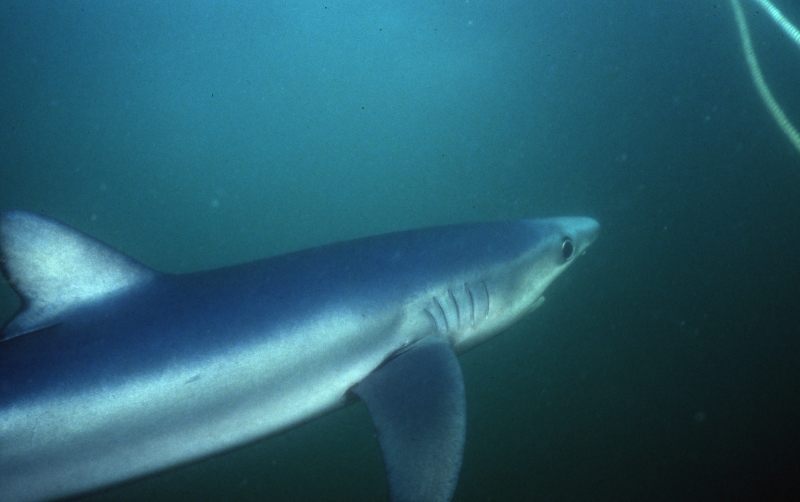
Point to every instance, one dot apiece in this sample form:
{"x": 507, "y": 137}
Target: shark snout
{"x": 582, "y": 230}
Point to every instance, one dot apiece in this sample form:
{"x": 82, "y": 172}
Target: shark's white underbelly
{"x": 71, "y": 443}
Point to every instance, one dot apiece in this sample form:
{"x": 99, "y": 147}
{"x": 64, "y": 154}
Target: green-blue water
{"x": 665, "y": 365}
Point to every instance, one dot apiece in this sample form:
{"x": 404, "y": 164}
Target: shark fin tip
{"x": 55, "y": 268}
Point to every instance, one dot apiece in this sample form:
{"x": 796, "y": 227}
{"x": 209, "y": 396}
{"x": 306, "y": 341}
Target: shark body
{"x": 111, "y": 370}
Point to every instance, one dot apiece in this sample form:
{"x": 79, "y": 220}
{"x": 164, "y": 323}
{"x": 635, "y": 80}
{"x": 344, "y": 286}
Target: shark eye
{"x": 567, "y": 248}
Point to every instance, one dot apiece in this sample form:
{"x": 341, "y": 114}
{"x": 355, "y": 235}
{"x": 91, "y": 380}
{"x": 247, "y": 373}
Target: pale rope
{"x": 779, "y": 18}
{"x": 755, "y": 71}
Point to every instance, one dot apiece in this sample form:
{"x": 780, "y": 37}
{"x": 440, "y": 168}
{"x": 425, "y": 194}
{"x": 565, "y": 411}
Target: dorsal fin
{"x": 56, "y": 268}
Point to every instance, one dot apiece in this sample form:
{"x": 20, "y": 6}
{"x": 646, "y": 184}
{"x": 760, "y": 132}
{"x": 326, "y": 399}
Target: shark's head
{"x": 514, "y": 288}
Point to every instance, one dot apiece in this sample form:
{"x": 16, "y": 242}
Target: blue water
{"x": 665, "y": 365}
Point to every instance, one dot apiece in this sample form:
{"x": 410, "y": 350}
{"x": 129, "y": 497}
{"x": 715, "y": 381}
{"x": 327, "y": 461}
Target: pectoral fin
{"x": 418, "y": 408}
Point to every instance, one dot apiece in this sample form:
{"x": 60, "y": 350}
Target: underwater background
{"x": 665, "y": 365}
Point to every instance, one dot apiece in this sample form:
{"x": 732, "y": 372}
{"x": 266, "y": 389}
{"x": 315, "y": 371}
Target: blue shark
{"x": 112, "y": 371}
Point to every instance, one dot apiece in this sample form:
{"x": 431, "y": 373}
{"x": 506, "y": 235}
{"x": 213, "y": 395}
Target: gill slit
{"x": 435, "y": 324}
{"x": 472, "y": 305}
{"x": 446, "y": 325}
{"x": 458, "y": 311}
{"x": 488, "y": 300}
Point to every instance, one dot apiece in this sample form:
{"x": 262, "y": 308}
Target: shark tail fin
{"x": 56, "y": 268}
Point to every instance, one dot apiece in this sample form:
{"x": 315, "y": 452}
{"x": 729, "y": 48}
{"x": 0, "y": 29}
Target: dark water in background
{"x": 665, "y": 365}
